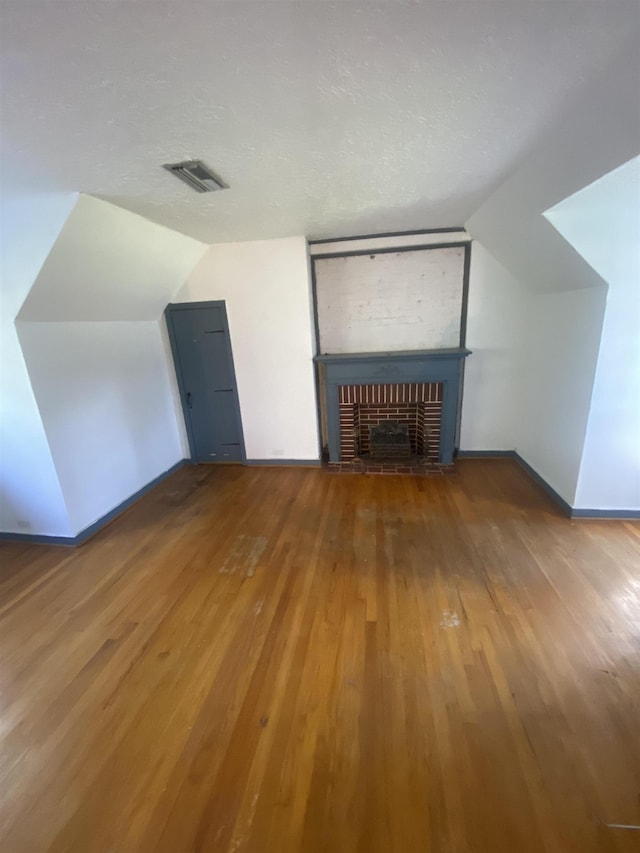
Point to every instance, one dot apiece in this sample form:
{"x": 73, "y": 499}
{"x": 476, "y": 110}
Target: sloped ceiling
{"x": 325, "y": 118}
{"x": 597, "y": 133}
{"x": 109, "y": 264}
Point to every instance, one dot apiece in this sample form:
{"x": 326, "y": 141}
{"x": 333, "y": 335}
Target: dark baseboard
{"x": 620, "y": 514}
{"x": 286, "y": 463}
{"x": 512, "y": 454}
{"x": 92, "y": 529}
{"x": 485, "y": 454}
{"x": 88, "y": 532}
{"x": 572, "y": 512}
{"x": 38, "y": 539}
{"x": 564, "y": 506}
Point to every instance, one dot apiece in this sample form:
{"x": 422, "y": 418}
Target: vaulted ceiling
{"x": 324, "y": 118}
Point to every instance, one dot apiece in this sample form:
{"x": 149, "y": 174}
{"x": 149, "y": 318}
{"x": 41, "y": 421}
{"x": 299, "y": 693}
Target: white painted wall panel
{"x": 602, "y": 222}
{"x": 528, "y": 381}
{"x": 104, "y": 393}
{"x": 499, "y": 306}
{"x": 561, "y": 340}
{"x": 390, "y": 301}
{"x": 104, "y": 390}
{"x": 267, "y": 291}
{"x": 31, "y": 500}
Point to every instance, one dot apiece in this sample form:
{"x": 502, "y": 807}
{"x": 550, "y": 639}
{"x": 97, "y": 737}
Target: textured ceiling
{"x": 325, "y": 119}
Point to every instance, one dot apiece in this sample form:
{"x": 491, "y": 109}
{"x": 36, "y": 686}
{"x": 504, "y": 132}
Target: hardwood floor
{"x": 263, "y": 660}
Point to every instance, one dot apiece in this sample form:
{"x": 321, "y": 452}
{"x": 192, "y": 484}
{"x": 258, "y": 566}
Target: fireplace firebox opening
{"x": 389, "y": 438}
{"x": 390, "y": 421}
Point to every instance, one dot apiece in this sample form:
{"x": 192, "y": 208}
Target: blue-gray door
{"x": 204, "y": 366}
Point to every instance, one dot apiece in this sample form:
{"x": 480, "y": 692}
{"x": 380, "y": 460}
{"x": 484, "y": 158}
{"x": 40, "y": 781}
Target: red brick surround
{"x": 419, "y": 405}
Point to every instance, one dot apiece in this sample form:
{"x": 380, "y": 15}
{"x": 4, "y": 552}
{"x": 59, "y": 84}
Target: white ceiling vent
{"x": 197, "y": 175}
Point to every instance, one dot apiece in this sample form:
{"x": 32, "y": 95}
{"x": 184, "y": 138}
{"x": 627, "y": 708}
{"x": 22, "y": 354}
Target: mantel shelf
{"x": 401, "y": 355}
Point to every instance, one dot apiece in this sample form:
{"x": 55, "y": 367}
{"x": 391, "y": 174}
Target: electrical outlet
{"x": 278, "y": 452}
{"x": 23, "y": 524}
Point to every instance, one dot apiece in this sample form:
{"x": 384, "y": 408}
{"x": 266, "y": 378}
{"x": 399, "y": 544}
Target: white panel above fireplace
{"x": 389, "y": 301}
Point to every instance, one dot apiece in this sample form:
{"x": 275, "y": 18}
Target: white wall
{"x": 602, "y": 222}
{"x": 267, "y": 291}
{"x": 563, "y": 329}
{"x": 31, "y": 500}
{"x": 104, "y": 394}
{"x": 561, "y": 340}
{"x": 498, "y": 311}
{"x": 529, "y": 379}
{"x": 103, "y": 388}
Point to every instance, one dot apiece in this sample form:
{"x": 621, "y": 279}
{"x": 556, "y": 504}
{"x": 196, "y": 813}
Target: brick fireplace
{"x": 420, "y": 390}
{"x": 418, "y": 406}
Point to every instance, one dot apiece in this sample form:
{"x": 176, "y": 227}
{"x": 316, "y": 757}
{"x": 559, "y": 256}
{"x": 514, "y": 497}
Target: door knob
{"x": 189, "y": 399}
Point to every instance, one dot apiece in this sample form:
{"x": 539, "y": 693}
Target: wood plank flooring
{"x": 287, "y": 660}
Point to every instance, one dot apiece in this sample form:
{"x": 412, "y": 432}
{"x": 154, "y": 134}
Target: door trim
{"x": 171, "y": 308}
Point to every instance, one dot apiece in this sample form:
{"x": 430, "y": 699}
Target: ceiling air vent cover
{"x": 197, "y": 175}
